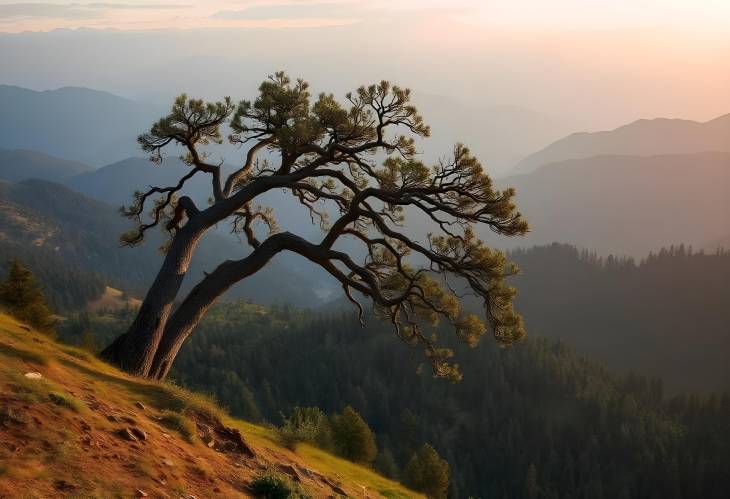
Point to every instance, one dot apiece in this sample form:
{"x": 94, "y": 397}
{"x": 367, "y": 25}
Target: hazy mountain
{"x": 73, "y": 123}
{"x": 116, "y": 183}
{"x": 21, "y": 164}
{"x": 626, "y": 204}
{"x": 640, "y": 138}
{"x": 99, "y": 128}
{"x": 721, "y": 243}
{"x": 43, "y": 217}
{"x": 499, "y": 135}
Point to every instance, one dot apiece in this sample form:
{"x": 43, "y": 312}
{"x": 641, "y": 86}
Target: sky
{"x": 533, "y": 69}
{"x": 700, "y": 15}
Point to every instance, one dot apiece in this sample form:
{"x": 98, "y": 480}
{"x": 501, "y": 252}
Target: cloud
{"x": 291, "y": 11}
{"x": 72, "y": 10}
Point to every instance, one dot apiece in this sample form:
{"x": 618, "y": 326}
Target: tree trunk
{"x": 134, "y": 351}
{"x": 197, "y": 303}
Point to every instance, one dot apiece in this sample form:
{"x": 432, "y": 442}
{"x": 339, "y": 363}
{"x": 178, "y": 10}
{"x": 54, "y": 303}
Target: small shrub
{"x": 10, "y": 417}
{"x": 276, "y": 486}
{"x": 306, "y": 424}
{"x": 64, "y": 400}
{"x": 353, "y": 438}
{"x": 179, "y": 423}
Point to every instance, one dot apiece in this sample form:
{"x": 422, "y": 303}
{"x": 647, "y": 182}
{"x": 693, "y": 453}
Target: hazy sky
{"x": 581, "y": 64}
{"x": 507, "y": 14}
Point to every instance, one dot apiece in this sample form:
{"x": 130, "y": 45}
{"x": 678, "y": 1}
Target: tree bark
{"x": 200, "y": 299}
{"x": 134, "y": 351}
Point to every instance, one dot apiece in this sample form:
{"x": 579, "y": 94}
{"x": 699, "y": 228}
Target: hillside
{"x": 537, "y": 403}
{"x": 73, "y": 123}
{"x": 72, "y": 426}
{"x": 22, "y": 164}
{"x": 626, "y": 204}
{"x": 640, "y": 138}
{"x": 41, "y": 218}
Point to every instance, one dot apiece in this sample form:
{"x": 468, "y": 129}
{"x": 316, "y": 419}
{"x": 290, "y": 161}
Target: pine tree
{"x": 428, "y": 473}
{"x": 353, "y": 438}
{"x": 531, "y": 487}
{"x": 24, "y": 299}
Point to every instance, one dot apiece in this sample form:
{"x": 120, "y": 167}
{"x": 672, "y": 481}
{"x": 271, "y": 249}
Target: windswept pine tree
{"x": 326, "y": 155}
{"x": 24, "y": 298}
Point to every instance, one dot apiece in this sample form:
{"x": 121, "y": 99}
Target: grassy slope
{"x": 59, "y": 435}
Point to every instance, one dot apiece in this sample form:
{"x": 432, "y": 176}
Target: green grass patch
{"x": 392, "y": 494}
{"x": 65, "y": 400}
{"x": 32, "y": 356}
{"x": 179, "y": 423}
{"x": 78, "y": 353}
{"x": 271, "y": 485}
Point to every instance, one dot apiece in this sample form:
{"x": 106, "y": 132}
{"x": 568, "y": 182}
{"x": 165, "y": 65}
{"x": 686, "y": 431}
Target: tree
{"x": 531, "y": 488}
{"x": 428, "y": 473}
{"x": 324, "y": 154}
{"x": 24, "y": 298}
{"x": 353, "y": 439}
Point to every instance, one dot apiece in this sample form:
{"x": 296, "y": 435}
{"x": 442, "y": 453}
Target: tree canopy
{"x": 329, "y": 157}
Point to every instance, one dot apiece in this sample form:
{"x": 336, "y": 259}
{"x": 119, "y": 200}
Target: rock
{"x": 141, "y": 493}
{"x": 139, "y": 433}
{"x": 290, "y": 470}
{"x": 113, "y": 418}
{"x": 168, "y": 462}
{"x": 85, "y": 426}
{"x": 127, "y": 434}
{"x": 33, "y": 375}
{"x": 64, "y": 485}
{"x": 139, "y": 405}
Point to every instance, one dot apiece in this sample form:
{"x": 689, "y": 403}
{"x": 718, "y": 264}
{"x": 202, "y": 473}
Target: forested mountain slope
{"x": 531, "y": 419}
{"x": 39, "y": 218}
{"x": 666, "y": 315}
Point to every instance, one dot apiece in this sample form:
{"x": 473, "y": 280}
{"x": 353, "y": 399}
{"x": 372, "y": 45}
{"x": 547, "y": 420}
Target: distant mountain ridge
{"x": 73, "y": 123}
{"x": 48, "y": 218}
{"x": 640, "y": 138}
{"x": 626, "y": 205}
{"x": 22, "y": 164}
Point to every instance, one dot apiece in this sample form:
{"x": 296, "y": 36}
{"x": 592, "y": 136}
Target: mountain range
{"x": 49, "y": 220}
{"x": 626, "y": 205}
{"x": 72, "y": 123}
{"x": 640, "y": 138}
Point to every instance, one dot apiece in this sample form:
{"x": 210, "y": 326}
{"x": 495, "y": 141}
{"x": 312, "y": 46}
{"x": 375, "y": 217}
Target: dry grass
{"x": 61, "y": 434}
{"x": 179, "y": 423}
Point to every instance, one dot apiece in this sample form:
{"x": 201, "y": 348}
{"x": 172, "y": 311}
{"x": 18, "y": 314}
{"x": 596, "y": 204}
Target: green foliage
{"x": 386, "y": 465}
{"x": 179, "y": 423}
{"x": 352, "y": 437}
{"x": 426, "y": 472}
{"x": 581, "y": 425}
{"x": 276, "y": 486}
{"x": 531, "y": 487}
{"x": 306, "y": 424}
{"x": 65, "y": 400}
{"x": 24, "y": 298}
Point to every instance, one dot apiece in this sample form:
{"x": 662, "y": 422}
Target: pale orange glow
{"x": 509, "y": 15}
